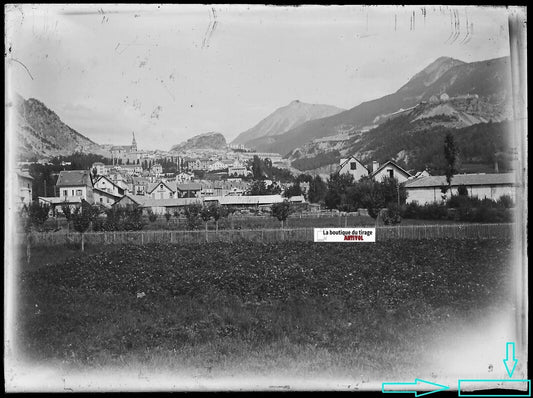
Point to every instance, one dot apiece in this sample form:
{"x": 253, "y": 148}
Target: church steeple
{"x": 133, "y": 143}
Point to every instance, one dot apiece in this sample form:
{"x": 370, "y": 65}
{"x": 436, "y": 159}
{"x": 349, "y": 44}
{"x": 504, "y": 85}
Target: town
{"x": 161, "y": 183}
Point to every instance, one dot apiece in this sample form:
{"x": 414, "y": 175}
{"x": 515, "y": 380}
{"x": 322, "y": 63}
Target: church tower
{"x": 133, "y": 143}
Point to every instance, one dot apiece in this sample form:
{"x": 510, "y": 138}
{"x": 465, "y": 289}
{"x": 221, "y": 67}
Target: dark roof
{"x": 105, "y": 193}
{"x": 24, "y": 175}
{"x": 74, "y": 178}
{"x": 462, "y": 179}
{"x": 393, "y": 164}
{"x": 189, "y": 187}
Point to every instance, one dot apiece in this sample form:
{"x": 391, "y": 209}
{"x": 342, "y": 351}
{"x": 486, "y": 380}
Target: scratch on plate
{"x": 210, "y": 28}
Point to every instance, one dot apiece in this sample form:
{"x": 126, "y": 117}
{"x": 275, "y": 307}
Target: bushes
{"x": 462, "y": 208}
{"x": 120, "y": 219}
{"x": 391, "y": 215}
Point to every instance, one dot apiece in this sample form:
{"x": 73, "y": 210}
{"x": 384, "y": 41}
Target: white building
{"x": 389, "y": 170}
{"x": 492, "y": 186}
{"x": 75, "y": 184}
{"x": 354, "y": 167}
{"x": 24, "y": 189}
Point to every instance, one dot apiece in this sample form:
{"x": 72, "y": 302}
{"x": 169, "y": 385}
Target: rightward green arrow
{"x": 414, "y": 388}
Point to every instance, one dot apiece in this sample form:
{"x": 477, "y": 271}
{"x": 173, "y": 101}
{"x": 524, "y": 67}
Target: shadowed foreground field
{"x": 306, "y": 308}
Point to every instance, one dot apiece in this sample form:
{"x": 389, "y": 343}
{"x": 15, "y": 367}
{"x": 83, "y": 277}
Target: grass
{"x": 248, "y": 308}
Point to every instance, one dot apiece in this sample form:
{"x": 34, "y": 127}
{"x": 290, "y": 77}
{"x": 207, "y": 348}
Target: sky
{"x": 169, "y": 72}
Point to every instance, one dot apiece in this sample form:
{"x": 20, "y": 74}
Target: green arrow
{"x": 413, "y": 387}
{"x": 512, "y": 361}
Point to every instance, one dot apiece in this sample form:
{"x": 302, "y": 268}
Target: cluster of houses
{"x": 424, "y": 188}
{"x": 159, "y": 196}
{"x": 121, "y": 185}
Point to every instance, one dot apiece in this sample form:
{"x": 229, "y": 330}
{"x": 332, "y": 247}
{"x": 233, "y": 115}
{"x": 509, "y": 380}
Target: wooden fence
{"x": 413, "y": 232}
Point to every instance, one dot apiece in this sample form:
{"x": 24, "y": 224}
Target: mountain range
{"x": 41, "y": 133}
{"x": 282, "y": 120}
{"x": 489, "y": 80}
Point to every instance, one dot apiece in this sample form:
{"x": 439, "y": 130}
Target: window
{"x": 101, "y": 200}
{"x": 391, "y": 173}
{"x": 65, "y": 192}
{"x": 353, "y": 166}
{"x": 72, "y": 192}
{"x": 78, "y": 192}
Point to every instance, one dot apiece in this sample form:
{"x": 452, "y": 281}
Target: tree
{"x": 217, "y": 211}
{"x": 257, "y": 187}
{"x": 317, "y": 190}
{"x": 337, "y": 188}
{"x": 38, "y": 214}
{"x": 67, "y": 212}
{"x": 462, "y": 190}
{"x": 281, "y": 210}
{"x": 451, "y": 153}
{"x": 258, "y": 168}
{"x": 152, "y": 216}
{"x": 205, "y": 214}
{"x": 167, "y": 216}
{"x": 293, "y": 190}
{"x": 192, "y": 213}
{"x": 95, "y": 173}
{"x": 82, "y": 217}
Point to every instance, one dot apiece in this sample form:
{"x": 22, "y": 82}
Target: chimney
{"x": 496, "y": 168}
{"x": 375, "y": 166}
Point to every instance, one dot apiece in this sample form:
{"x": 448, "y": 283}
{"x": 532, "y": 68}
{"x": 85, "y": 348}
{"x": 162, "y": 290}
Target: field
{"x": 299, "y": 308}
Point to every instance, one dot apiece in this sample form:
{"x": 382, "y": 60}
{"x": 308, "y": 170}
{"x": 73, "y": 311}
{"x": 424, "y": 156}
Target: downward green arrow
{"x": 510, "y": 364}
{"x": 413, "y": 387}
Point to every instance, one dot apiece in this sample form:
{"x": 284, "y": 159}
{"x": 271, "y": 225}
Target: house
{"x": 189, "y": 190}
{"x": 75, "y": 184}
{"x": 199, "y": 164}
{"x": 139, "y": 185}
{"x": 56, "y": 203}
{"x": 217, "y": 165}
{"x": 24, "y": 189}
{"x": 156, "y": 169}
{"x": 492, "y": 186}
{"x": 105, "y": 198}
{"x": 100, "y": 168}
{"x": 107, "y": 185}
{"x": 424, "y": 173}
{"x": 161, "y": 189}
{"x": 389, "y": 170}
{"x": 184, "y": 177}
{"x": 260, "y": 201}
{"x": 354, "y": 167}
{"x": 238, "y": 171}
{"x": 157, "y": 206}
{"x": 131, "y": 169}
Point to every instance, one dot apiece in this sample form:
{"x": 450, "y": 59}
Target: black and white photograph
{"x": 215, "y": 197}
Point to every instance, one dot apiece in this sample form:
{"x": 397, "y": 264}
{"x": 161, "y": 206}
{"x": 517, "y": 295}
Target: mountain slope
{"x": 490, "y": 80}
{"x": 210, "y": 140}
{"x": 41, "y": 133}
{"x": 282, "y": 120}
{"x": 415, "y": 139}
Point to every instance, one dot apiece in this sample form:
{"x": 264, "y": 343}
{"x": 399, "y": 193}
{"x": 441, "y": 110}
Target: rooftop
{"x": 73, "y": 178}
{"x": 462, "y": 179}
